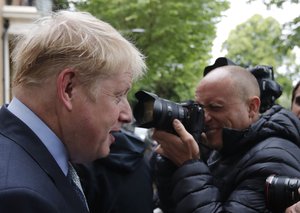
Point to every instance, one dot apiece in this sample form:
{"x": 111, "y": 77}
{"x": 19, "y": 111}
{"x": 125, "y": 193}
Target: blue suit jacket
{"x": 30, "y": 179}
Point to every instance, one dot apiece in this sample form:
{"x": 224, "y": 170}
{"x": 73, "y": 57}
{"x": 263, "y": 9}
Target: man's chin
{"x": 214, "y": 142}
{"x": 104, "y": 153}
{"x": 111, "y": 139}
{"x": 104, "y": 149}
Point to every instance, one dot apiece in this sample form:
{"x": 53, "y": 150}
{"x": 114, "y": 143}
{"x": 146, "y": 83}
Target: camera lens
{"x": 281, "y": 192}
{"x": 144, "y": 113}
{"x": 152, "y": 111}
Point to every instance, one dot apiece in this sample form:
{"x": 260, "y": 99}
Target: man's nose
{"x": 126, "y": 113}
{"x": 207, "y": 116}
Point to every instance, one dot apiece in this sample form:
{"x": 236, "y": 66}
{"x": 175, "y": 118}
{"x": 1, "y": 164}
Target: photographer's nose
{"x": 207, "y": 116}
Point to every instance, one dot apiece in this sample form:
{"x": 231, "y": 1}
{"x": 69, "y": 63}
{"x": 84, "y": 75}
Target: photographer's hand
{"x": 177, "y": 149}
{"x": 294, "y": 208}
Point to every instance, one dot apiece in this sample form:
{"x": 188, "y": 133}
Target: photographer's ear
{"x": 254, "y": 105}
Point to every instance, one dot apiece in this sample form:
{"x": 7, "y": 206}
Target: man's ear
{"x": 254, "y": 105}
{"x": 65, "y": 86}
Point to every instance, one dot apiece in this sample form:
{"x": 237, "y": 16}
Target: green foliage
{"x": 255, "y": 41}
{"x": 278, "y": 3}
{"x": 292, "y": 38}
{"x": 60, "y": 5}
{"x": 176, "y": 36}
{"x": 258, "y": 41}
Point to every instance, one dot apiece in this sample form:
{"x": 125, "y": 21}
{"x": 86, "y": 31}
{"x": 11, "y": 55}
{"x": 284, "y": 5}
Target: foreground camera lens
{"x": 281, "y": 192}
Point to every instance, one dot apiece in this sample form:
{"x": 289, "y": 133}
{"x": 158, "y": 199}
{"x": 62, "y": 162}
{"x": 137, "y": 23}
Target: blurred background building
{"x": 16, "y": 17}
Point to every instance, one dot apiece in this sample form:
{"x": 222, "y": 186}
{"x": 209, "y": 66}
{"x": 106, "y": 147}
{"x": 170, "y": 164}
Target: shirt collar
{"x": 44, "y": 133}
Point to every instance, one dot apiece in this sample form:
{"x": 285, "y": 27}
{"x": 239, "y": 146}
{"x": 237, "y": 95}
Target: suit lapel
{"x": 17, "y": 131}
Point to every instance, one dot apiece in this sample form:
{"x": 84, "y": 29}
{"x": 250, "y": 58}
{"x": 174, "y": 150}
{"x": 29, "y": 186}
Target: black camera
{"x": 270, "y": 90}
{"x": 153, "y": 111}
{"x": 281, "y": 192}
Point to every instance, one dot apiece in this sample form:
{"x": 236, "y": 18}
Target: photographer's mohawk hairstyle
{"x": 220, "y": 62}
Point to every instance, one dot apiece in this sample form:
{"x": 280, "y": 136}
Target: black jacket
{"x": 233, "y": 179}
{"x": 122, "y": 182}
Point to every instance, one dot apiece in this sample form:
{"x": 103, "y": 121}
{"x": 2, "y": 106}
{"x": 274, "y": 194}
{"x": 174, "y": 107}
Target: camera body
{"x": 281, "y": 192}
{"x": 152, "y": 111}
{"x": 270, "y": 90}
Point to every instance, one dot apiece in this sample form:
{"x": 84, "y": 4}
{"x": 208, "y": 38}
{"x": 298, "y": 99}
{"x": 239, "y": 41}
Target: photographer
{"x": 295, "y": 108}
{"x": 246, "y": 146}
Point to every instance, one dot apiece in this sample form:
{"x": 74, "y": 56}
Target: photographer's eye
{"x": 212, "y": 107}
